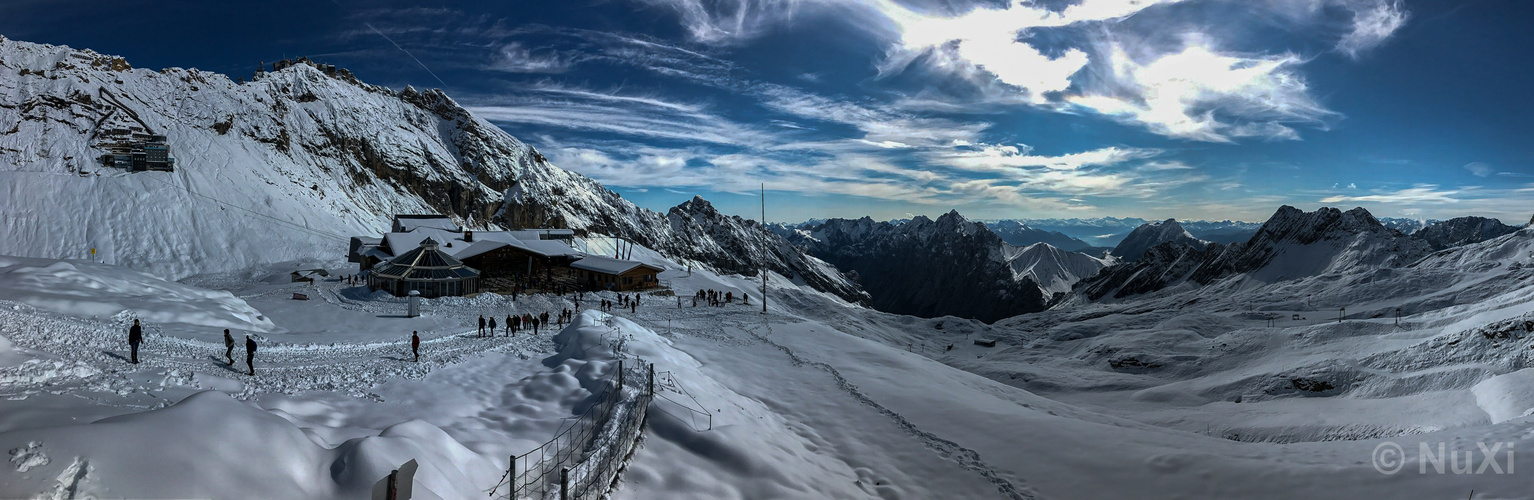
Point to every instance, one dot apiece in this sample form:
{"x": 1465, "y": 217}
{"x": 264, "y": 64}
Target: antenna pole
{"x": 764, "y": 267}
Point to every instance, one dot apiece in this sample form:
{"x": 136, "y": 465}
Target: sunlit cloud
{"x": 1418, "y": 194}
{"x": 1202, "y": 93}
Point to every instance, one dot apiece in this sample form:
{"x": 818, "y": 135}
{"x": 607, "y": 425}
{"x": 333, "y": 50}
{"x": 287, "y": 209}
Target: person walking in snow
{"x": 535, "y": 325}
{"x": 415, "y": 345}
{"x": 228, "y": 347}
{"x": 135, "y": 335}
{"x": 481, "y": 325}
{"x": 509, "y": 329}
{"x": 492, "y": 326}
{"x": 516, "y": 324}
{"x": 250, "y": 354}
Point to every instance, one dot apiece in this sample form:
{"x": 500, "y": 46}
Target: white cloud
{"x": 1202, "y": 93}
{"x": 570, "y": 108}
{"x": 726, "y": 21}
{"x": 516, "y": 58}
{"x": 1374, "y": 21}
{"x": 1417, "y": 194}
{"x": 1480, "y": 169}
{"x": 878, "y": 125}
{"x": 1013, "y": 159}
{"x": 990, "y": 40}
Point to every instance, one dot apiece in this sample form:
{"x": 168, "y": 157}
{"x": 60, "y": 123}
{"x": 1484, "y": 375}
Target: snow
{"x": 605, "y": 264}
{"x": 1507, "y": 396}
{"x": 817, "y": 398}
{"x": 1186, "y": 391}
{"x": 1055, "y": 270}
{"x": 96, "y": 290}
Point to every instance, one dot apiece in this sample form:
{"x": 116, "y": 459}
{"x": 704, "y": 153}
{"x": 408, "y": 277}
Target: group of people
{"x": 136, "y": 337}
{"x": 515, "y": 323}
{"x": 717, "y": 298}
{"x": 623, "y": 302}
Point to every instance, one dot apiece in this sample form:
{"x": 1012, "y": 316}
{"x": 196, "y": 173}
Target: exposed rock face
{"x": 925, "y": 267}
{"x": 1152, "y": 234}
{"x": 1291, "y": 244}
{"x": 1161, "y": 266}
{"x": 1462, "y": 231}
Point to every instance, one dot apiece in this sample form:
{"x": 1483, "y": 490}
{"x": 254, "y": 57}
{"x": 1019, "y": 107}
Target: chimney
{"x": 468, "y": 236}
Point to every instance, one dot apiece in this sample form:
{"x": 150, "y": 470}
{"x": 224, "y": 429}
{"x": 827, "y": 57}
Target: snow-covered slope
{"x": 287, "y": 166}
{"x": 1152, "y": 234}
{"x": 925, "y": 267}
{"x": 1054, "y": 270}
{"x": 1461, "y": 231}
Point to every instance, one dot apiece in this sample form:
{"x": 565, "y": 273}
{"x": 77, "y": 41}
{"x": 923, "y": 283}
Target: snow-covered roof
{"x": 539, "y": 234}
{"x": 407, "y": 223}
{"x": 452, "y": 242}
{"x": 609, "y": 265}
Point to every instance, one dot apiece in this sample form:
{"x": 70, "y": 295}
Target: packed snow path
{"x": 96, "y": 353}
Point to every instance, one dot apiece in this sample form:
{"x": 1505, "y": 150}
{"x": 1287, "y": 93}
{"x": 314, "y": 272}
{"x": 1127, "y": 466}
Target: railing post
{"x": 393, "y": 493}
{"x": 651, "y": 388}
{"x": 564, "y": 484}
{"x": 620, "y": 375}
{"x": 513, "y": 476}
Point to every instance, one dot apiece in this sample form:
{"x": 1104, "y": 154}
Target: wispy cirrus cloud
{"x": 517, "y": 58}
{"x": 1374, "y": 22}
{"x": 1480, "y": 169}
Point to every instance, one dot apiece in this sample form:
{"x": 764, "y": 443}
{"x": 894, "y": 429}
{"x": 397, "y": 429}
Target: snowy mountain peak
{"x": 1293, "y": 225}
{"x": 1155, "y": 233}
{"x": 1292, "y": 244}
{"x": 1054, "y": 270}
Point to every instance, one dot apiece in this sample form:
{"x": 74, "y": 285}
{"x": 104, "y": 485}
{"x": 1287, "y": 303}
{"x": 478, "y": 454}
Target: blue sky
{"x": 1195, "y": 109}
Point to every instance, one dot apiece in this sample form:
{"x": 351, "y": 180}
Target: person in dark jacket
{"x": 135, "y": 335}
{"x": 228, "y": 347}
{"x": 481, "y": 325}
{"x": 509, "y": 325}
{"x": 250, "y": 354}
{"x": 492, "y": 326}
{"x": 415, "y": 345}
